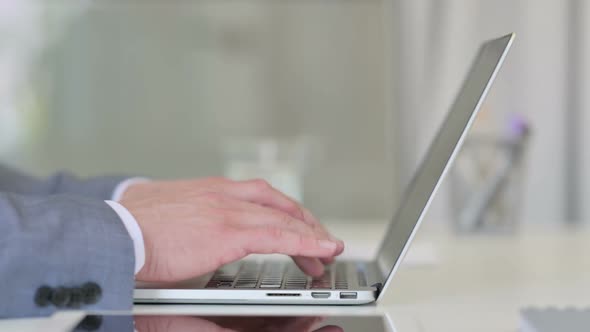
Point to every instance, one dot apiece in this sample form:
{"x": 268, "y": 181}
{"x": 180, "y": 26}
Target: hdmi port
{"x": 283, "y": 294}
{"x": 320, "y": 295}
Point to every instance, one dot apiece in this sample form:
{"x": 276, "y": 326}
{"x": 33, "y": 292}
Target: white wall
{"x": 584, "y": 125}
{"x": 531, "y": 83}
{"x": 176, "y": 72}
{"x": 155, "y": 89}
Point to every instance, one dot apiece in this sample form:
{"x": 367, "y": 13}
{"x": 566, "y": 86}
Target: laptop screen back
{"x": 439, "y": 156}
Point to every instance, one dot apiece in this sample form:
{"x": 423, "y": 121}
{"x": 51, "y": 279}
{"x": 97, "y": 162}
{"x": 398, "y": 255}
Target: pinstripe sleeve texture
{"x": 62, "y": 241}
{"x": 101, "y": 187}
{"x": 59, "y": 232}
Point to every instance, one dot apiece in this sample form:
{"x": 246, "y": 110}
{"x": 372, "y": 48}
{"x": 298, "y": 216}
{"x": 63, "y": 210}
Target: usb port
{"x": 348, "y": 295}
{"x": 320, "y": 295}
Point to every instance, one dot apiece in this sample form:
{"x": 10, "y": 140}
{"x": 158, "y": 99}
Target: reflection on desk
{"x": 182, "y": 323}
{"x": 479, "y": 283}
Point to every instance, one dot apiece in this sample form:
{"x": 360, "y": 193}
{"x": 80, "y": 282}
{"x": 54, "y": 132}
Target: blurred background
{"x": 333, "y": 101}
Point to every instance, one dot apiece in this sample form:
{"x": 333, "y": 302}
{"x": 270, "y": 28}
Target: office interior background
{"x": 353, "y": 90}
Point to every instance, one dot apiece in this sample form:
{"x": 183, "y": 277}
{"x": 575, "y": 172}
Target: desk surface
{"x": 475, "y": 282}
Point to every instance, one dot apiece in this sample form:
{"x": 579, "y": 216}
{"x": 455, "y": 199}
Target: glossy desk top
{"x": 450, "y": 282}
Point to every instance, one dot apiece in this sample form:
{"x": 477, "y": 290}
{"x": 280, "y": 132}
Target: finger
{"x": 277, "y": 240}
{"x": 310, "y": 218}
{"x": 244, "y": 214}
{"x": 330, "y": 328}
{"x": 327, "y": 260}
{"x": 264, "y": 219}
{"x": 265, "y": 216}
{"x": 262, "y": 193}
{"x": 277, "y": 219}
{"x": 310, "y": 266}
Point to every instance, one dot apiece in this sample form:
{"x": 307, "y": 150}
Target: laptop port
{"x": 283, "y": 294}
{"x": 320, "y": 295}
{"x": 348, "y": 295}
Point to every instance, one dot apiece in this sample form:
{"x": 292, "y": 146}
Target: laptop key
{"x": 295, "y": 286}
{"x": 249, "y": 285}
{"x": 270, "y": 286}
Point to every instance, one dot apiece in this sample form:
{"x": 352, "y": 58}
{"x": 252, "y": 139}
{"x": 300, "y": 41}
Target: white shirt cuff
{"x": 133, "y": 230}
{"x": 122, "y": 187}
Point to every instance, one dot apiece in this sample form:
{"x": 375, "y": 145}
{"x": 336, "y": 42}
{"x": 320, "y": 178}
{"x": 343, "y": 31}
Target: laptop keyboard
{"x": 276, "y": 275}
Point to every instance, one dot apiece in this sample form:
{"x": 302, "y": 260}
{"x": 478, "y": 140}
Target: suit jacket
{"x": 61, "y": 246}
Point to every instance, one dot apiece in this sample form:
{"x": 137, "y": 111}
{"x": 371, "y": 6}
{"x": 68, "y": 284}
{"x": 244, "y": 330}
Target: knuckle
{"x": 292, "y": 224}
{"x": 301, "y": 242}
{"x": 260, "y": 185}
{"x": 320, "y": 230}
{"x": 225, "y": 221}
{"x": 274, "y": 233}
{"x": 287, "y": 220}
{"x": 213, "y": 197}
{"x": 295, "y": 208}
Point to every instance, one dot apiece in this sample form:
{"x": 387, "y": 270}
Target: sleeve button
{"x": 91, "y": 293}
{"x": 76, "y": 298}
{"x": 43, "y": 296}
{"x": 60, "y": 297}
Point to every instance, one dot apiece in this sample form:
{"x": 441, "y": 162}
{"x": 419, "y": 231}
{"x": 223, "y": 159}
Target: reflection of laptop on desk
{"x": 352, "y": 282}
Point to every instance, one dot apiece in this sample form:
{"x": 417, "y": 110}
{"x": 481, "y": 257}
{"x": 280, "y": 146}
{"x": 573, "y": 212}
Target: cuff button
{"x": 60, "y": 297}
{"x": 43, "y": 296}
{"x": 91, "y": 293}
{"x": 76, "y": 298}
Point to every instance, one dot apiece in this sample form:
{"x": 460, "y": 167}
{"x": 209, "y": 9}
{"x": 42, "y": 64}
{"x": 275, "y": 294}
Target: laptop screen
{"x": 439, "y": 156}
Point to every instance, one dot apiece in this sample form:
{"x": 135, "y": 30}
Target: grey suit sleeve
{"x": 101, "y": 187}
{"x": 62, "y": 241}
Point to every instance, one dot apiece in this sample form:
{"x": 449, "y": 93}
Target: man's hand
{"x": 191, "y": 228}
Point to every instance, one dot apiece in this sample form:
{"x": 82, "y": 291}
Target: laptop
{"x": 348, "y": 282}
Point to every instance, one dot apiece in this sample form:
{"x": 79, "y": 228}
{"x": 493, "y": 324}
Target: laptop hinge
{"x": 379, "y": 286}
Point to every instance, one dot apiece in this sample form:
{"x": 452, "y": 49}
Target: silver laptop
{"x": 348, "y": 282}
